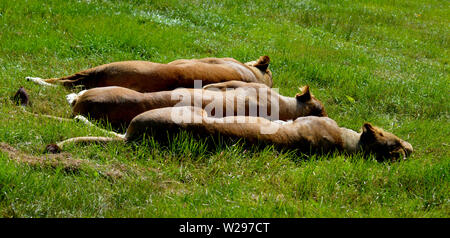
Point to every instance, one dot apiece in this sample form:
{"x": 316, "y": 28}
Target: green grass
{"x": 379, "y": 61}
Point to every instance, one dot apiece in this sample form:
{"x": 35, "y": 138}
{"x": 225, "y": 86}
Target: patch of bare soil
{"x": 61, "y": 160}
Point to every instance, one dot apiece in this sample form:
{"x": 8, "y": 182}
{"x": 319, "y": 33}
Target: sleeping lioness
{"x": 144, "y": 76}
{"x": 119, "y": 105}
{"x": 308, "y": 134}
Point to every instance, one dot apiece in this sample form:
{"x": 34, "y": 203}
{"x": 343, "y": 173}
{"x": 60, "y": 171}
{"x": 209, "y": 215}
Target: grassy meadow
{"x": 384, "y": 62}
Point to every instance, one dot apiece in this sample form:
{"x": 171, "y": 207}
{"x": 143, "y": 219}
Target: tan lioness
{"x": 120, "y": 105}
{"x": 144, "y": 76}
{"x": 308, "y": 134}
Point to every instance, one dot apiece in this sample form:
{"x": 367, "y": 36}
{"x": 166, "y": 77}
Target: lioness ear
{"x": 368, "y": 128}
{"x": 305, "y": 95}
{"x": 262, "y": 63}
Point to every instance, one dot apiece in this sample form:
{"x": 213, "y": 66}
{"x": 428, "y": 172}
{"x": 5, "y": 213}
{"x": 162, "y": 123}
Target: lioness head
{"x": 309, "y": 105}
{"x": 383, "y": 144}
{"x": 262, "y": 67}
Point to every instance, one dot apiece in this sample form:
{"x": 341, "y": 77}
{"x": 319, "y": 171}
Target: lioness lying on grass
{"x": 144, "y": 76}
{"x": 308, "y": 134}
{"x": 120, "y": 105}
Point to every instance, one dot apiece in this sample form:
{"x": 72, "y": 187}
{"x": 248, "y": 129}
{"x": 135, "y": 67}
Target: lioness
{"x": 120, "y": 105}
{"x": 309, "y": 134}
{"x": 144, "y": 76}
